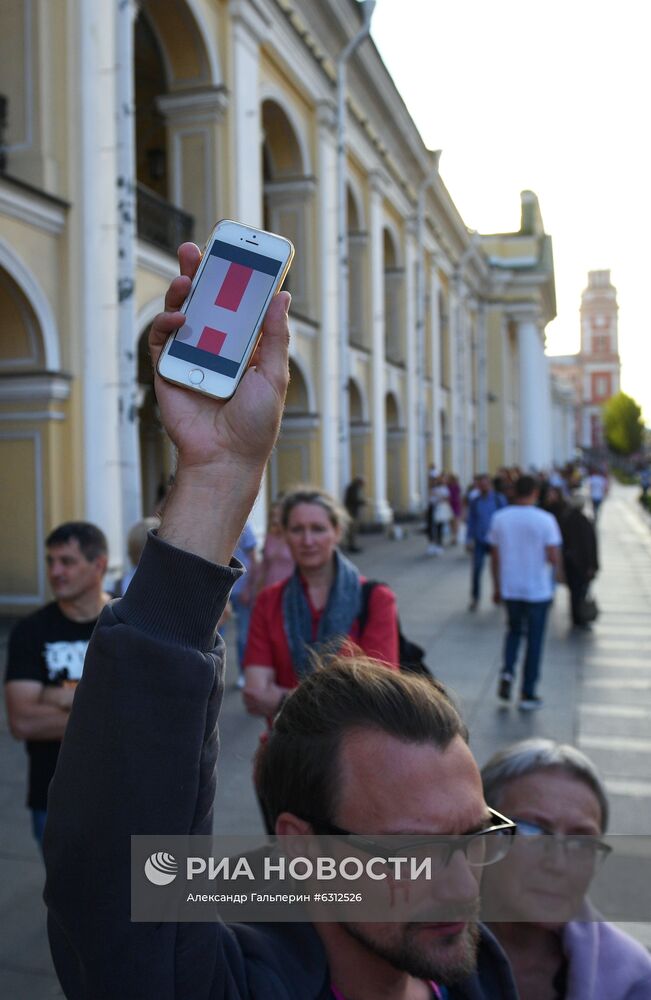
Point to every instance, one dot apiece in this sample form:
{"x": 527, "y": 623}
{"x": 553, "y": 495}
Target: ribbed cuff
{"x": 176, "y": 596}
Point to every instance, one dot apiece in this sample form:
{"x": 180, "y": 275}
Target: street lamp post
{"x": 368, "y": 7}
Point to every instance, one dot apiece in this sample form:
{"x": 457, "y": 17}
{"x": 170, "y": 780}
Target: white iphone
{"x": 240, "y": 272}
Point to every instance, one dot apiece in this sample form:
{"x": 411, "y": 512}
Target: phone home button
{"x": 196, "y": 376}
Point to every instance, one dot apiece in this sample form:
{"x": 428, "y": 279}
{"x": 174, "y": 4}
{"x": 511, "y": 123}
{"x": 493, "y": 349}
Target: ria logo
{"x": 161, "y": 868}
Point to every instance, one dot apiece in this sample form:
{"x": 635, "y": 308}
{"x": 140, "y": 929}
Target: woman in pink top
{"x": 277, "y": 562}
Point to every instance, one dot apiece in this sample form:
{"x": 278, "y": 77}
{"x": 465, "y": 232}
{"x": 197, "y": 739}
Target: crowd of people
{"x": 354, "y": 745}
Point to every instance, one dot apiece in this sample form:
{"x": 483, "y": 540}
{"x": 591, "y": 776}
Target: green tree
{"x": 623, "y": 424}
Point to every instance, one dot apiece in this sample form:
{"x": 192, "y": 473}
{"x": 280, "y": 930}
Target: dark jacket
{"x": 579, "y": 542}
{"x": 139, "y": 757}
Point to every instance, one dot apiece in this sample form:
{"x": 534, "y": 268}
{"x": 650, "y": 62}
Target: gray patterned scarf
{"x": 339, "y": 614}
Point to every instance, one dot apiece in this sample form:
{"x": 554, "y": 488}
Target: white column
{"x": 458, "y": 381}
{"x": 249, "y": 28}
{"x": 482, "y": 389}
{"x": 455, "y": 401}
{"x": 436, "y": 373}
{"x": 414, "y": 363}
{"x": 380, "y": 509}
{"x": 335, "y": 471}
{"x": 535, "y": 401}
{"x": 546, "y": 409}
{"x": 127, "y": 339}
{"x": 94, "y": 291}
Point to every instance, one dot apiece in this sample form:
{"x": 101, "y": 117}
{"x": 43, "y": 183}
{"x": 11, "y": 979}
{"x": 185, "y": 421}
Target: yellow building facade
{"x": 130, "y": 128}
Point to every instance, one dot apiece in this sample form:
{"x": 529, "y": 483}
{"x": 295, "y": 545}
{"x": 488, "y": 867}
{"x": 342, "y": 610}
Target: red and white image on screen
{"x": 225, "y": 308}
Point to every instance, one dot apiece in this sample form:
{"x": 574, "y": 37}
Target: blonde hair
{"x": 337, "y": 515}
{"x": 137, "y": 537}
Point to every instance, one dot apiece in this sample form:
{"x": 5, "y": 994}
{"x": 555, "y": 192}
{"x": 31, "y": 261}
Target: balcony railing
{"x": 160, "y": 222}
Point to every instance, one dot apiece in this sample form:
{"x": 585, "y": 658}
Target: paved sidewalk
{"x": 597, "y": 691}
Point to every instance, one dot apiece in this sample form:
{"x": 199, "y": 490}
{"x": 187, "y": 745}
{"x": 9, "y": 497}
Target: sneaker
{"x": 530, "y": 704}
{"x": 434, "y": 550}
{"x": 504, "y": 690}
{"x": 473, "y": 605}
{"x": 240, "y": 682}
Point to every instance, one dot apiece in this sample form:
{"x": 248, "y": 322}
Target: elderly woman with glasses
{"x": 555, "y": 795}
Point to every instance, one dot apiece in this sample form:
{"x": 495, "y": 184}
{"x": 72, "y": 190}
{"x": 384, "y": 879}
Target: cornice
{"x": 194, "y": 105}
{"x": 19, "y": 203}
{"x": 36, "y": 385}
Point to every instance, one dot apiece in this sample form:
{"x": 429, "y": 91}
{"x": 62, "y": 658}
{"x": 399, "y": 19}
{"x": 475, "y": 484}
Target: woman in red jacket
{"x": 317, "y": 608}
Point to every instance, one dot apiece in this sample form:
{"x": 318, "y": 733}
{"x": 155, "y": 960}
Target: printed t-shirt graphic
{"x": 225, "y": 308}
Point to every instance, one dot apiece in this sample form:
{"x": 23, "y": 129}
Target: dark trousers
{"x": 529, "y": 616}
{"x": 479, "y": 552}
{"x": 578, "y": 585}
{"x": 38, "y": 825}
{"x": 434, "y": 528}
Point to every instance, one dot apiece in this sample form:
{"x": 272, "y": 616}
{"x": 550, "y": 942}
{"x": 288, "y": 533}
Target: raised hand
{"x": 243, "y": 429}
{"x": 223, "y": 446}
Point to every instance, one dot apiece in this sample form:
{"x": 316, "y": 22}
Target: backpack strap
{"x": 367, "y": 589}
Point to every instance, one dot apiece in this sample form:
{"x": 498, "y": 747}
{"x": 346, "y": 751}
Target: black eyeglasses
{"x": 581, "y": 848}
{"x": 481, "y": 848}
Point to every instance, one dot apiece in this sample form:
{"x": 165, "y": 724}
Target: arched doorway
{"x": 360, "y": 439}
{"x": 179, "y": 104}
{"x": 287, "y": 193}
{"x": 33, "y": 456}
{"x": 395, "y": 453}
{"x": 445, "y": 443}
{"x": 358, "y": 333}
{"x": 394, "y": 276}
{"x": 294, "y": 459}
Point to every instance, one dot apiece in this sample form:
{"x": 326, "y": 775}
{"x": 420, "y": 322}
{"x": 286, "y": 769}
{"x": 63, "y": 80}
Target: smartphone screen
{"x": 225, "y": 309}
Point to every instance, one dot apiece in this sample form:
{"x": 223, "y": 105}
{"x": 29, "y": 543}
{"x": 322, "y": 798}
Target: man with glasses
{"x": 356, "y": 748}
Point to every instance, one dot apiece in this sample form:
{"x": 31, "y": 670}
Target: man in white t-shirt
{"x": 598, "y": 486}
{"x": 525, "y": 549}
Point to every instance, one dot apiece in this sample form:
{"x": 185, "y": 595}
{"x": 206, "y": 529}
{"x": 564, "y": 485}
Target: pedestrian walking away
{"x": 243, "y": 593}
{"x": 440, "y": 515}
{"x": 354, "y": 502}
{"x": 277, "y": 562}
{"x": 47, "y": 650}
{"x": 356, "y": 748}
{"x": 580, "y": 561}
{"x": 598, "y": 489}
{"x": 480, "y": 514}
{"x": 525, "y": 550}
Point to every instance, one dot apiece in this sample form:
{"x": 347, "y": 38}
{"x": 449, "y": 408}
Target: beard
{"x": 448, "y": 960}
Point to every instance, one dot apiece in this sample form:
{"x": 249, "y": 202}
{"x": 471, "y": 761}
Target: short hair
{"x": 298, "y": 768}
{"x": 337, "y": 515}
{"x": 525, "y": 486}
{"x": 538, "y": 754}
{"x": 91, "y": 539}
{"x": 137, "y": 537}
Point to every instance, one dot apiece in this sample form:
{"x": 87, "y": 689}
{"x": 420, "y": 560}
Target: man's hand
{"x": 62, "y": 697}
{"x": 265, "y": 702}
{"x": 242, "y": 430}
{"x": 223, "y": 446}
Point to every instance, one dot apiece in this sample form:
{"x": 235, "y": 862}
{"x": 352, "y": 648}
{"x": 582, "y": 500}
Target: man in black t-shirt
{"x": 47, "y": 650}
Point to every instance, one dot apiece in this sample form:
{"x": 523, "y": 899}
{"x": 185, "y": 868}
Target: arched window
{"x": 394, "y": 276}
